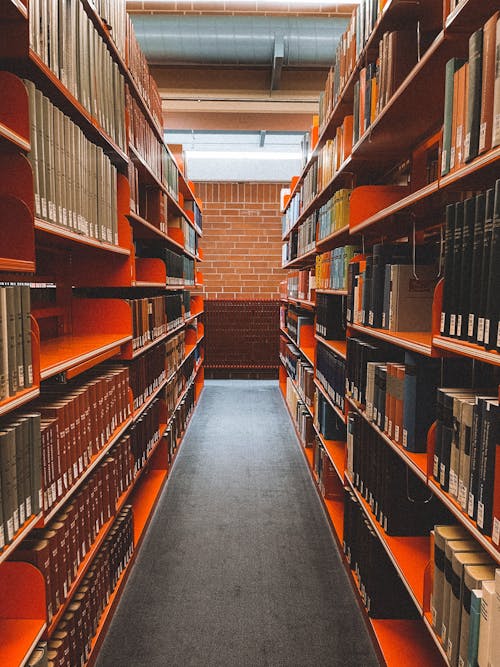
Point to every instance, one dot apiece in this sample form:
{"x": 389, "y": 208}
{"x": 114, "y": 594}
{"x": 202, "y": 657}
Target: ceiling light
{"x": 243, "y": 155}
{"x": 323, "y": 4}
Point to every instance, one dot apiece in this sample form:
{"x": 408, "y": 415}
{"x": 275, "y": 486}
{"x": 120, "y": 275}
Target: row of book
{"x": 300, "y": 413}
{"x": 149, "y": 320}
{"x": 78, "y": 419}
{"x": 175, "y": 352}
{"x": 291, "y": 214}
{"x": 332, "y": 267}
{"x": 330, "y": 371}
{"x": 330, "y": 317}
{"x": 144, "y": 434}
{"x": 16, "y": 365}
{"x": 351, "y": 44}
{"x": 142, "y": 136}
{"x": 191, "y": 206}
{"x": 180, "y": 229}
{"x": 334, "y": 215}
{"x": 75, "y": 183}
{"x": 70, "y": 643}
{"x": 178, "y": 423}
{"x": 472, "y": 99}
{"x": 399, "y": 500}
{"x": 470, "y": 309}
{"x": 65, "y": 39}
{"x": 147, "y": 373}
{"x": 300, "y": 285}
{"x": 334, "y": 153}
{"x": 139, "y": 70}
{"x": 20, "y": 473}
{"x": 114, "y": 14}
{"x": 382, "y": 590}
{"x": 306, "y": 235}
{"x": 324, "y": 470}
{"x": 58, "y": 549}
{"x": 170, "y": 173}
{"x": 466, "y": 463}
{"x": 289, "y": 356}
{"x": 464, "y": 604}
{"x": 178, "y": 383}
{"x": 295, "y": 320}
{"x": 327, "y": 421}
{"x": 386, "y": 290}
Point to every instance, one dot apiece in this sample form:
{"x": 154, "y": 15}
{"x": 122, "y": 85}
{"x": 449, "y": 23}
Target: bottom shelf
{"x": 18, "y": 639}
{"x": 405, "y": 643}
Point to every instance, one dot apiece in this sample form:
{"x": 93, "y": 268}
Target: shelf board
{"x": 337, "y": 237}
{"x": 466, "y": 349}
{"x": 17, "y": 265}
{"x": 11, "y": 138}
{"x": 58, "y": 355}
{"x": 95, "y": 461}
{"x": 416, "y": 341}
{"x": 13, "y": 9}
{"x": 409, "y": 555}
{"x": 308, "y": 353}
{"x": 332, "y": 404}
{"x": 485, "y": 541}
{"x": 147, "y": 230}
{"x": 335, "y": 511}
{"x": 19, "y": 399}
{"x": 337, "y": 292}
{"x": 427, "y": 618}
{"x": 309, "y": 305}
{"x": 469, "y": 15}
{"x": 19, "y": 537}
{"x": 307, "y": 259}
{"x": 18, "y": 640}
{"x": 405, "y": 643}
{"x": 69, "y": 239}
{"x": 337, "y": 346}
{"x": 416, "y": 461}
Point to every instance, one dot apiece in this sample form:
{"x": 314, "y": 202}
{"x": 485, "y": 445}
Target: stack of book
{"x": 16, "y": 365}
{"x": 330, "y": 371}
{"x": 330, "y": 317}
{"x": 334, "y": 215}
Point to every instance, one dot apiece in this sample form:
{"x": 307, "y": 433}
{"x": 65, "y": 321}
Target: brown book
{"x": 389, "y": 400}
{"x": 362, "y": 95}
{"x": 402, "y": 58}
{"x": 347, "y": 137}
{"x": 488, "y": 83}
{"x": 454, "y": 122}
{"x": 62, "y": 647}
{"x": 462, "y": 77}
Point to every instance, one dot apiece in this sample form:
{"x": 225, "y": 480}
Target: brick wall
{"x": 241, "y": 239}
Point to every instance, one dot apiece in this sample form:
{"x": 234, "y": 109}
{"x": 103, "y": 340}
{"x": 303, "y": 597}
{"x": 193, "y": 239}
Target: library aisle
{"x": 239, "y": 566}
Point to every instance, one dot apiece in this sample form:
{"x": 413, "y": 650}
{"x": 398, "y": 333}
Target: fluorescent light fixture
{"x": 243, "y": 155}
{"x": 299, "y": 3}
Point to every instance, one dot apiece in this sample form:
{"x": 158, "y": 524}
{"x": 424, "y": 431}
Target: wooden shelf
{"x": 303, "y": 303}
{"x": 308, "y": 353}
{"x": 337, "y": 346}
{"x": 62, "y": 236}
{"x": 416, "y": 341}
{"x": 332, "y": 404}
{"x": 137, "y": 413}
{"x": 13, "y": 9}
{"x": 60, "y": 355}
{"x": 465, "y": 349}
{"x": 10, "y": 138}
{"x": 138, "y": 351}
{"x": 469, "y": 16}
{"x": 409, "y": 555}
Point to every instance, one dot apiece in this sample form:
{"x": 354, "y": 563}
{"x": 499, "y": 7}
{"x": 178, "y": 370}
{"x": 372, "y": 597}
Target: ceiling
{"x": 241, "y": 64}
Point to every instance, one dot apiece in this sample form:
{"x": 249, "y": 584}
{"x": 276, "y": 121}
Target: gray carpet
{"x": 239, "y": 567}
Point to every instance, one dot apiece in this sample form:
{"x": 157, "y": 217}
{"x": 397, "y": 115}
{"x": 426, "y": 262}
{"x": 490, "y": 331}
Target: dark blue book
{"x": 422, "y": 376}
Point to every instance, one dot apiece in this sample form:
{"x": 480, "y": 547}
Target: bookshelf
{"x": 397, "y": 195}
{"x": 94, "y": 292}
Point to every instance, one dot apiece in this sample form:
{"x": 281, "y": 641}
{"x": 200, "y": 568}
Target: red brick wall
{"x": 241, "y": 239}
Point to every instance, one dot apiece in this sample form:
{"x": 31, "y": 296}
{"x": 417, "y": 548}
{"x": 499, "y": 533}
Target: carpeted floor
{"x": 239, "y": 567}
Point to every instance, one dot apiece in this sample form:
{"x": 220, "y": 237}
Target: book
{"x": 485, "y": 266}
{"x": 411, "y": 297}
{"x": 476, "y": 266}
{"x": 490, "y": 437}
{"x": 452, "y": 66}
{"x": 488, "y": 624}
{"x": 475, "y": 68}
{"x": 496, "y": 92}
{"x": 421, "y": 378}
{"x": 472, "y": 642}
{"x": 492, "y": 309}
{"x": 488, "y": 83}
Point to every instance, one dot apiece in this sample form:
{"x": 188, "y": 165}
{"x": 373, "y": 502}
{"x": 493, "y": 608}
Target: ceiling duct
{"x": 238, "y": 40}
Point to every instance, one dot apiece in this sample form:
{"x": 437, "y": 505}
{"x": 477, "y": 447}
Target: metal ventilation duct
{"x": 238, "y": 40}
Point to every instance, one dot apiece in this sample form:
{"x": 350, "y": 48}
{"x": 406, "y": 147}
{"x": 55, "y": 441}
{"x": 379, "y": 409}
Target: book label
{"x": 75, "y": 470}
{"x": 452, "y": 157}
{"x": 15, "y": 519}
{"x": 433, "y": 616}
{"x": 30, "y": 374}
{"x": 480, "y": 514}
{"x": 29, "y": 511}
{"x": 462, "y": 495}
{"x": 486, "y": 332}
{"x": 470, "y": 330}
{"x": 10, "y": 529}
{"x": 59, "y": 487}
{"x": 22, "y": 514}
{"x": 396, "y": 433}
{"x": 459, "y": 325}
{"x": 2, "y": 537}
{"x": 470, "y": 509}
{"x": 443, "y": 161}
{"x": 480, "y": 329}
{"x": 20, "y": 373}
{"x": 498, "y": 335}
{"x": 453, "y": 483}
{"x": 449, "y": 649}
{"x": 495, "y": 535}
{"x": 405, "y": 438}
{"x": 482, "y": 136}
{"x": 442, "y": 473}
{"x": 453, "y": 321}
